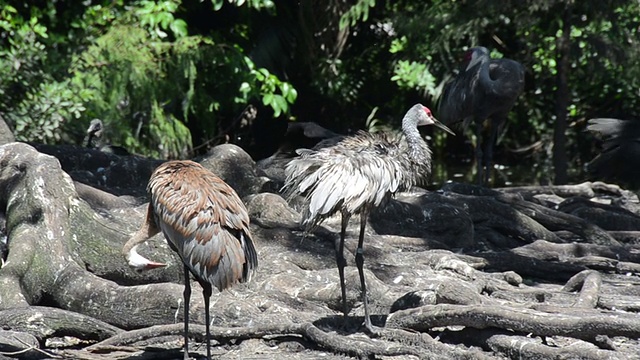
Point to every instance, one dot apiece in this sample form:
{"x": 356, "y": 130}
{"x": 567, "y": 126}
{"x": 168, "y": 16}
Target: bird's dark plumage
{"x": 484, "y": 89}
{"x": 619, "y": 159}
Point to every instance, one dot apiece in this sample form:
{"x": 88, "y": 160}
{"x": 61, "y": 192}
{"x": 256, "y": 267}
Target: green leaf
{"x": 267, "y": 99}
{"x": 292, "y": 95}
{"x": 279, "y": 104}
{"x": 179, "y": 28}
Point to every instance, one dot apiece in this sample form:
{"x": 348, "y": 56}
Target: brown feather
{"x": 204, "y": 221}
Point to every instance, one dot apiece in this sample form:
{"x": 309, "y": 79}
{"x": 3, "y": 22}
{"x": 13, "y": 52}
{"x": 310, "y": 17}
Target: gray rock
{"x": 233, "y": 165}
{"x": 6, "y": 135}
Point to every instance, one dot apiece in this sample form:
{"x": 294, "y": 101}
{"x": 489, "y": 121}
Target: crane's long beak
{"x": 442, "y": 126}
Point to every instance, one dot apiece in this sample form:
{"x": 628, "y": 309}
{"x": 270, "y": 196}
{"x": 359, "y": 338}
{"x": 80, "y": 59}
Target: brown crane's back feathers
{"x": 204, "y": 221}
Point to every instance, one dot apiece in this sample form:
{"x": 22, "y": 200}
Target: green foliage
{"x": 254, "y": 4}
{"x": 140, "y": 72}
{"x": 159, "y": 16}
{"x": 414, "y": 75}
{"x": 44, "y": 112}
{"x": 269, "y": 87}
{"x": 158, "y": 87}
{"x": 162, "y": 78}
{"x": 358, "y": 12}
{"x": 30, "y": 98}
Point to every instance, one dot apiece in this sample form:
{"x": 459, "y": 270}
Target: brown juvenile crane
{"x": 357, "y": 174}
{"x": 484, "y": 89}
{"x": 205, "y": 223}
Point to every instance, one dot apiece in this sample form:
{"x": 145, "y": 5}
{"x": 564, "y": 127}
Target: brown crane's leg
{"x": 360, "y": 263}
{"x": 206, "y": 292}
{"x": 478, "y": 150}
{"x": 187, "y": 298}
{"x": 340, "y": 260}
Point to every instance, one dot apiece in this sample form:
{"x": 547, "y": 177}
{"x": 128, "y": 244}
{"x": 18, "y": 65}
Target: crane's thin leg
{"x": 489, "y": 153}
{"x": 206, "y": 292}
{"x": 187, "y": 299}
{"x": 479, "y": 157}
{"x": 360, "y": 264}
{"x": 340, "y": 260}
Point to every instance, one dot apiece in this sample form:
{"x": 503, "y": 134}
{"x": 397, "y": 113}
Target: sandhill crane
{"x": 484, "y": 89}
{"x": 94, "y": 140}
{"x": 357, "y": 174}
{"x": 205, "y": 223}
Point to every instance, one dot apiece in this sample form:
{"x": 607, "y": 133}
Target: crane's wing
{"x": 455, "y": 104}
{"x": 359, "y": 171}
{"x": 615, "y": 131}
{"x": 507, "y": 81}
{"x": 205, "y": 221}
{"x": 620, "y": 156}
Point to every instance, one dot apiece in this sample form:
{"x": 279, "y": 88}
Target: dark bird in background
{"x": 205, "y": 223}
{"x": 94, "y": 140}
{"x": 620, "y": 156}
{"x": 356, "y": 175}
{"x": 300, "y": 134}
{"x": 484, "y": 89}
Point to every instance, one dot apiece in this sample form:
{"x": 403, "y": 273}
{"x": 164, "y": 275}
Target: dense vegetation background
{"x": 172, "y": 78}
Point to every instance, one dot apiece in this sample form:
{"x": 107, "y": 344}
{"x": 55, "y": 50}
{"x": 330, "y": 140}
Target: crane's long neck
{"x": 147, "y": 230}
{"x": 90, "y": 140}
{"x": 418, "y": 150}
{"x": 483, "y": 74}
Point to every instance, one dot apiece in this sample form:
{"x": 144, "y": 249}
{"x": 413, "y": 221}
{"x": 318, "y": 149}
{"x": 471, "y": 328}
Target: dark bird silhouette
{"x": 357, "y": 174}
{"x": 205, "y": 223}
{"x": 619, "y": 159}
{"x": 94, "y": 140}
{"x": 484, "y": 89}
{"x": 298, "y": 135}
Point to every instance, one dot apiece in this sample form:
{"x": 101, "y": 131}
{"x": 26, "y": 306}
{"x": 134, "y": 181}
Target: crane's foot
{"x": 371, "y": 330}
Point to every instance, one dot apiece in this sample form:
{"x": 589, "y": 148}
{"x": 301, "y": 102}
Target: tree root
{"x": 46, "y": 322}
{"x": 585, "y": 325}
{"x": 361, "y": 347}
{"x": 590, "y": 282}
{"x": 526, "y": 348}
{"x": 556, "y": 220}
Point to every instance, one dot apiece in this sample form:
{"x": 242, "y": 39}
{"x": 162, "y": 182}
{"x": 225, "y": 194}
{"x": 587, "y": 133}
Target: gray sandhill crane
{"x": 205, "y": 223}
{"x": 484, "y": 89}
{"x": 357, "y": 174}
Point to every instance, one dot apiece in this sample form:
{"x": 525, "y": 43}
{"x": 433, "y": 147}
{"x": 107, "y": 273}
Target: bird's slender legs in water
{"x": 340, "y": 260}
{"x": 478, "y": 150}
{"x": 187, "y": 299}
{"x": 360, "y": 265}
{"x": 206, "y": 292}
